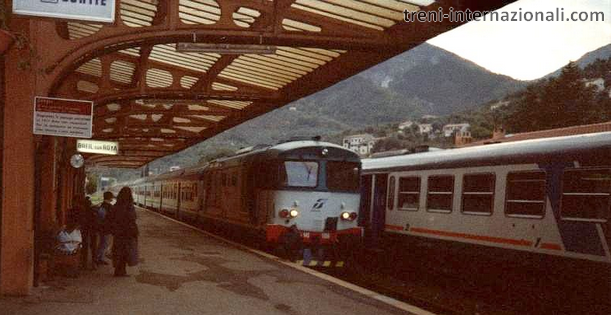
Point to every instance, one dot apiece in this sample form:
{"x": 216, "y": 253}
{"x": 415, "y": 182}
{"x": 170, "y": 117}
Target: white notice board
{"x": 63, "y": 117}
{"x": 85, "y": 10}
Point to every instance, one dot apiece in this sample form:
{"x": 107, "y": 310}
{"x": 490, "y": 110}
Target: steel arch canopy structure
{"x": 155, "y": 100}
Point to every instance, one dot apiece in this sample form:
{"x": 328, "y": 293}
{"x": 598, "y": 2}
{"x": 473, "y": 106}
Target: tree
{"x": 554, "y": 103}
{"x": 387, "y": 144}
{"x": 92, "y": 183}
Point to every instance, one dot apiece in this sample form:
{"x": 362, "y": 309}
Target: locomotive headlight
{"x": 349, "y": 216}
{"x": 294, "y": 213}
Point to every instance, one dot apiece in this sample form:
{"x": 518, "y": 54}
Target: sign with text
{"x": 63, "y": 117}
{"x": 98, "y": 147}
{"x": 85, "y": 10}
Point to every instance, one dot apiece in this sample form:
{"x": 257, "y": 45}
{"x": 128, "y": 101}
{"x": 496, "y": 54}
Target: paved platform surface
{"x": 183, "y": 271}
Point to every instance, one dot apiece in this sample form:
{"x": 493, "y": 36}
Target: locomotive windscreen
{"x": 299, "y": 174}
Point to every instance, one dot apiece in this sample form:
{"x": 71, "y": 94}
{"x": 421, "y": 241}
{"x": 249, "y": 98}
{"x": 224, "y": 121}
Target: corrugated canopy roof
{"x": 155, "y": 100}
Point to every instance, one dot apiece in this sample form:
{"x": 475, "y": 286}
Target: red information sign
{"x": 63, "y": 117}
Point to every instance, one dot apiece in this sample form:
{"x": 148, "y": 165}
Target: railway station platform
{"x": 185, "y": 271}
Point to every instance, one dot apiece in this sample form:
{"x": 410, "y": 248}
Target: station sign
{"x": 97, "y": 147}
{"x": 84, "y": 10}
{"x": 63, "y": 117}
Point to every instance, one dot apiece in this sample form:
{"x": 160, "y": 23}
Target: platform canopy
{"x": 169, "y": 74}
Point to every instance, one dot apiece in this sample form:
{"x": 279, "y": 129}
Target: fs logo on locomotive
{"x": 319, "y": 204}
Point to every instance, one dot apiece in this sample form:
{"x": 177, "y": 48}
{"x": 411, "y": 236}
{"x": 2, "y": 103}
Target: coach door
{"x": 364, "y": 218}
{"x": 380, "y": 182}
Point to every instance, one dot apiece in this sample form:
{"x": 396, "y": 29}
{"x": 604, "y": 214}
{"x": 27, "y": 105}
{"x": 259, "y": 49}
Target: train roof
{"x": 294, "y": 145}
{"x": 285, "y": 148}
{"x": 138, "y": 180}
{"x": 528, "y": 151}
{"x": 267, "y": 151}
{"x": 171, "y": 174}
{"x": 150, "y": 178}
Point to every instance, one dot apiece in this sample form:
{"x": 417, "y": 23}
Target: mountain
{"x": 600, "y": 53}
{"x": 450, "y": 82}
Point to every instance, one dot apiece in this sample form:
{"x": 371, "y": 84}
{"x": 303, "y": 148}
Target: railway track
{"x": 461, "y": 290}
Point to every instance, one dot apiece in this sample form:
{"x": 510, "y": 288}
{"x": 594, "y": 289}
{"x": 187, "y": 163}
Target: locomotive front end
{"x": 316, "y": 200}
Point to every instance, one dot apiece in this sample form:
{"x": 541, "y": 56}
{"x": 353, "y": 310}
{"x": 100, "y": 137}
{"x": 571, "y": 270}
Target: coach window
{"x": 585, "y": 195}
{"x": 409, "y": 193}
{"x": 391, "y": 193}
{"x": 478, "y": 194}
{"x": 440, "y": 193}
{"x": 525, "y": 194}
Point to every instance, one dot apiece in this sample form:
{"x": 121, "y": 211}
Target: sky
{"x": 530, "y": 50}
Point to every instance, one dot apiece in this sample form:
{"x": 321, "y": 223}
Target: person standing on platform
{"x": 121, "y": 222}
{"x": 103, "y": 236}
{"x": 86, "y": 221}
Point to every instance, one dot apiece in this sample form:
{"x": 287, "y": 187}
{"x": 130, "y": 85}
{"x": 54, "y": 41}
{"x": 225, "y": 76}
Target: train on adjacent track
{"x": 539, "y": 199}
{"x": 519, "y": 201}
{"x": 303, "y": 191}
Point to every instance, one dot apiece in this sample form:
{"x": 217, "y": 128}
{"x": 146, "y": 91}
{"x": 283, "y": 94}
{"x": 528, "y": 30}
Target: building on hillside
{"x": 462, "y": 138}
{"x": 361, "y": 144}
{"x": 498, "y": 105}
{"x": 499, "y": 135}
{"x": 450, "y": 129}
{"x": 425, "y": 129}
{"x": 174, "y": 168}
{"x": 405, "y": 124}
{"x": 599, "y": 84}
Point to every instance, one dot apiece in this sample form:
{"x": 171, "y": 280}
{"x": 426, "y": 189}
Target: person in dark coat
{"x": 86, "y": 217}
{"x": 122, "y": 225}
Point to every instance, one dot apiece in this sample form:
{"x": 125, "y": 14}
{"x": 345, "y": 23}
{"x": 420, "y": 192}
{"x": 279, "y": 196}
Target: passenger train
{"x": 266, "y": 192}
{"x": 527, "y": 199}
